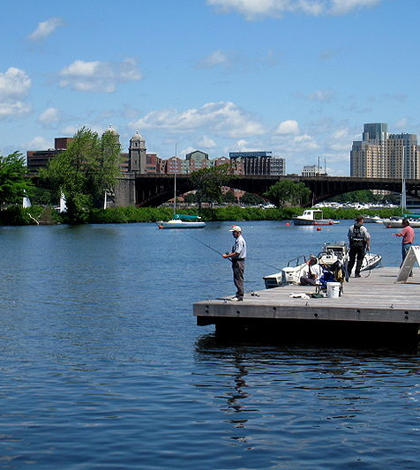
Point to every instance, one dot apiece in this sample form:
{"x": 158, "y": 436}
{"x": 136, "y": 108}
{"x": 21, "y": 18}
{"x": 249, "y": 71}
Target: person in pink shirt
{"x": 407, "y": 234}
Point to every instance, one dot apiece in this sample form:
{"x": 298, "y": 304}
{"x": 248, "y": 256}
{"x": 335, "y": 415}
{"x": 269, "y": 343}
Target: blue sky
{"x": 297, "y": 77}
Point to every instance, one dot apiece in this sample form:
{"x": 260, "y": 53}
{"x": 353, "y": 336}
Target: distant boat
{"x": 368, "y": 219}
{"x": 312, "y": 217}
{"x": 181, "y": 220}
{"x": 396, "y": 222}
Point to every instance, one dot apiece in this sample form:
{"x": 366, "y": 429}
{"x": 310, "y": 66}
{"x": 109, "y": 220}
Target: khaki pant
{"x": 238, "y": 267}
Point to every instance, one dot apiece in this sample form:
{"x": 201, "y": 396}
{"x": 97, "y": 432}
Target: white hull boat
{"x": 174, "y": 223}
{"x": 396, "y": 222}
{"x": 372, "y": 219}
{"x": 312, "y": 217}
{"x": 330, "y": 254}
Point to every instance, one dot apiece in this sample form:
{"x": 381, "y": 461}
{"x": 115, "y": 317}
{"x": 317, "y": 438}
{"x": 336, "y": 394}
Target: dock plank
{"x": 375, "y": 297}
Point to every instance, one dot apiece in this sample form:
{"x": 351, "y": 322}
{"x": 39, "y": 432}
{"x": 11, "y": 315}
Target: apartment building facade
{"x": 383, "y": 155}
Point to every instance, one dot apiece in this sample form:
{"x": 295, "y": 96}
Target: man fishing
{"x": 237, "y": 256}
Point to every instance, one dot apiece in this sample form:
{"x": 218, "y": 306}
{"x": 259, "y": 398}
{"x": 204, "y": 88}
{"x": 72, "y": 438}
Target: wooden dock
{"x": 373, "y": 308}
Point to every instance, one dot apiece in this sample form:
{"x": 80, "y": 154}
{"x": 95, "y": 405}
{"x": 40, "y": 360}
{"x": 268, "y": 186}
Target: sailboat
{"x": 181, "y": 220}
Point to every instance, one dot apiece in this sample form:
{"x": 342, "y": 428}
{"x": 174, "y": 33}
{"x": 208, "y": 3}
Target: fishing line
{"x": 221, "y": 254}
{"x": 205, "y": 244}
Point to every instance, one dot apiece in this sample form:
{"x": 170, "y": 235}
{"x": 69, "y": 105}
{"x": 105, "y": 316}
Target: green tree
{"x": 229, "y": 198}
{"x": 88, "y": 168}
{"x": 14, "y": 180}
{"x": 362, "y": 195}
{"x": 190, "y": 198}
{"x": 209, "y": 182}
{"x": 288, "y": 191}
{"x": 252, "y": 199}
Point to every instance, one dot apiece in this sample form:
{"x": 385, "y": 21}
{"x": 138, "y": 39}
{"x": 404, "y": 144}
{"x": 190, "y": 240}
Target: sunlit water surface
{"x": 103, "y": 366}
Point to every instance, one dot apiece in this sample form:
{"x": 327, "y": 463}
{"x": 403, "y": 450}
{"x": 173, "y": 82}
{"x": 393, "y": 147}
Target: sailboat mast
{"x": 403, "y": 190}
{"x": 176, "y": 165}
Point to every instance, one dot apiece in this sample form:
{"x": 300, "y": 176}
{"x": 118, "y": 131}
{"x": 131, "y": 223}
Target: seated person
{"x": 311, "y": 273}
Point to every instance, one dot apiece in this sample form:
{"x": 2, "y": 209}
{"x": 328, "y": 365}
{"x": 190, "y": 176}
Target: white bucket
{"x": 333, "y": 290}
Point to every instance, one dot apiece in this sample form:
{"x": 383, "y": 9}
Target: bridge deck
{"x": 374, "y": 299}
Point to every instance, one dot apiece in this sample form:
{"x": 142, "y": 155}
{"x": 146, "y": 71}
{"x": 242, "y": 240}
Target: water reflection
{"x": 298, "y": 389}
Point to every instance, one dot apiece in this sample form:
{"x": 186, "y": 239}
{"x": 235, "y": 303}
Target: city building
{"x": 313, "y": 170}
{"x": 175, "y": 165}
{"x": 383, "y": 155}
{"x": 221, "y": 161}
{"x": 36, "y": 159}
{"x": 197, "y": 160}
{"x": 138, "y": 161}
{"x": 257, "y": 163}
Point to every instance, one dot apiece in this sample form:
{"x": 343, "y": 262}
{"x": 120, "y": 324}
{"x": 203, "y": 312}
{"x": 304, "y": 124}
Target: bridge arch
{"x": 153, "y": 190}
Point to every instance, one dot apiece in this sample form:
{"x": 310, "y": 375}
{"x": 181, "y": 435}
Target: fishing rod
{"x": 221, "y": 254}
{"x": 206, "y": 245}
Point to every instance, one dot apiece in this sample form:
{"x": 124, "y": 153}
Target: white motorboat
{"x": 179, "y": 221}
{"x": 396, "y": 222}
{"x": 330, "y": 254}
{"x": 368, "y": 219}
{"x": 312, "y": 217}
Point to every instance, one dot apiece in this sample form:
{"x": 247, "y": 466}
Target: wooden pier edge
{"x": 372, "y": 309}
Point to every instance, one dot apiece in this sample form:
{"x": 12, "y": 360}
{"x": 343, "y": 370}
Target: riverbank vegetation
{"x": 17, "y": 215}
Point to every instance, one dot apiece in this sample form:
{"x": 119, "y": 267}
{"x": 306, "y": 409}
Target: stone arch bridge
{"x": 154, "y": 189}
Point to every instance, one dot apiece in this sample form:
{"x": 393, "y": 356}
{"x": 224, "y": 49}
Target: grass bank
{"x": 230, "y": 213}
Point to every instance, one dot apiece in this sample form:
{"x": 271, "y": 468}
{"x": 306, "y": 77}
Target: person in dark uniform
{"x": 237, "y": 256}
{"x": 359, "y": 242}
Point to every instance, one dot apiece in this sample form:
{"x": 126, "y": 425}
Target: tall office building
{"x": 383, "y": 155}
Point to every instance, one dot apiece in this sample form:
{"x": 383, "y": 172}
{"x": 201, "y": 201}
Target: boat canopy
{"x": 186, "y": 217}
{"x": 412, "y": 216}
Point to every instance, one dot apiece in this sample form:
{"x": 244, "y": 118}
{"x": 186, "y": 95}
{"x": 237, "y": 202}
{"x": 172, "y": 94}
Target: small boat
{"x": 312, "y": 217}
{"x": 396, "y": 222}
{"x": 368, "y": 219}
{"x": 330, "y": 254}
{"x": 182, "y": 221}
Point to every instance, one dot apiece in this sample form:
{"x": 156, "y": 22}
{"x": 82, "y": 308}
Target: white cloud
{"x": 14, "y": 87}
{"x": 72, "y": 129}
{"x": 402, "y": 123}
{"x": 340, "y": 140}
{"x": 96, "y": 76}
{"x": 15, "y": 109}
{"x": 15, "y": 83}
{"x": 50, "y": 117}
{"x": 186, "y": 150}
{"x": 242, "y": 145}
{"x": 223, "y": 118}
{"x": 288, "y": 127}
{"x": 38, "y": 143}
{"x": 206, "y": 142}
{"x": 214, "y": 59}
{"x": 255, "y": 9}
{"x": 45, "y": 28}
{"x": 342, "y": 7}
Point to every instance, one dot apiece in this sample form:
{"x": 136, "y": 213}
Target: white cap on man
{"x": 235, "y": 228}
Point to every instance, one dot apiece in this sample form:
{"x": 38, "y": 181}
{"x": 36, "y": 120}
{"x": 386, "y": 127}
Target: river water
{"x": 103, "y": 366}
